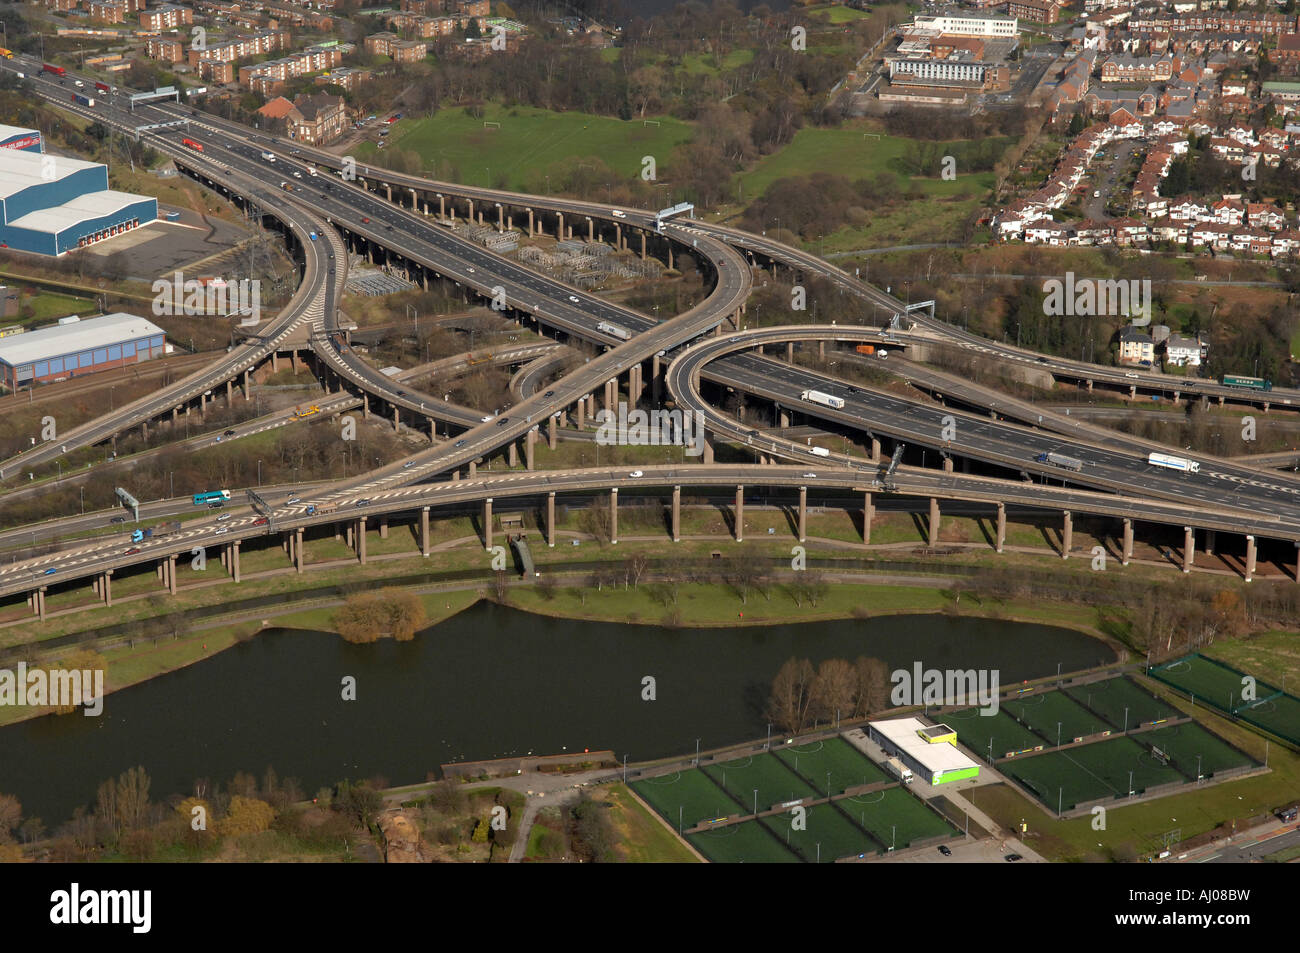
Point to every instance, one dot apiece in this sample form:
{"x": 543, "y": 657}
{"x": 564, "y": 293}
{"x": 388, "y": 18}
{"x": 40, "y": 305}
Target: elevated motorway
{"x": 946, "y": 431}
{"x": 103, "y": 558}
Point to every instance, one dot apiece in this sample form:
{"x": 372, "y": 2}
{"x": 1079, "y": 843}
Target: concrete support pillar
{"x": 349, "y": 537}
{"x": 1132, "y": 392}
{"x": 297, "y": 549}
{"x": 1002, "y": 527}
{"x": 550, "y": 519}
{"x": 1211, "y": 541}
{"x": 1189, "y": 548}
{"x": 634, "y": 385}
{"x": 275, "y": 362}
{"x": 234, "y": 560}
{"x": 559, "y": 228}
{"x": 230, "y": 392}
{"x": 591, "y": 405}
{"x": 591, "y": 229}
{"x": 552, "y": 426}
{"x": 395, "y": 421}
{"x": 247, "y": 394}
{"x": 654, "y": 379}
{"x": 365, "y": 406}
{"x": 530, "y": 223}
{"x": 1067, "y": 533}
{"x": 501, "y": 218}
{"x": 740, "y": 514}
{"x": 487, "y": 523}
{"x": 1126, "y": 549}
{"x": 433, "y": 431}
{"x": 643, "y": 246}
{"x": 293, "y": 355}
{"x": 875, "y": 449}
{"x": 582, "y": 412}
{"x": 613, "y": 515}
{"x": 470, "y": 214}
{"x": 512, "y": 454}
{"x": 670, "y": 256}
{"x": 1297, "y": 561}
{"x": 868, "y": 515}
{"x": 473, "y": 469}
{"x": 611, "y": 396}
{"x": 144, "y": 430}
{"x": 383, "y": 526}
{"x": 424, "y": 531}
{"x": 789, "y": 352}
{"x": 947, "y": 464}
{"x": 803, "y": 513}
{"x": 934, "y": 521}
{"x": 677, "y": 514}
{"x": 361, "y": 540}
{"x": 40, "y": 603}
{"x": 530, "y": 446}
{"x": 171, "y": 574}
{"x": 708, "y": 448}
{"x": 1250, "y": 558}
{"x": 783, "y": 418}
{"x": 106, "y": 587}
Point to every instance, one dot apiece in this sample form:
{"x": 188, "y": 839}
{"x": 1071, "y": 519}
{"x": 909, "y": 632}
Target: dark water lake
{"x": 489, "y": 682}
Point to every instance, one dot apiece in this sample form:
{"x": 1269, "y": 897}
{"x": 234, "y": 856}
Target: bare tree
{"x": 792, "y": 696}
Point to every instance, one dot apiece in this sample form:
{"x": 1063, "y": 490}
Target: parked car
{"x": 229, "y": 433}
{"x": 1014, "y": 857}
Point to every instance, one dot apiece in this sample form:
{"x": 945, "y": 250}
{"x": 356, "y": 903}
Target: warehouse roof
{"x": 20, "y": 349}
{"x": 21, "y": 170}
{"x": 9, "y": 132}
{"x": 91, "y": 205}
{"x": 937, "y": 758}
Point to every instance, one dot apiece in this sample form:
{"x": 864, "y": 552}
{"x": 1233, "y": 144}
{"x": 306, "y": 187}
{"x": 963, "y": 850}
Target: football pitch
{"x": 894, "y": 817}
{"x": 827, "y": 835}
{"x": 845, "y": 764}
{"x": 1055, "y": 717}
{"x": 1089, "y": 772}
{"x": 1184, "y": 743}
{"x": 685, "y": 797}
{"x": 977, "y": 732}
{"x": 1221, "y": 687}
{"x": 1122, "y": 702}
{"x": 760, "y": 777}
{"x": 743, "y": 843}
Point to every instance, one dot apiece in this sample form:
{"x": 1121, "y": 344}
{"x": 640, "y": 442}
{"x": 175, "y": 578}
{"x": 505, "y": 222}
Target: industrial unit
{"x": 22, "y": 140}
{"x": 73, "y": 348}
{"x": 930, "y": 751}
{"x": 55, "y": 204}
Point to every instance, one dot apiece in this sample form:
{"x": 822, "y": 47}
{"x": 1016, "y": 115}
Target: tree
{"x": 835, "y": 689}
{"x": 871, "y": 692}
{"x": 11, "y": 813}
{"x": 791, "y": 696}
{"x": 246, "y": 815}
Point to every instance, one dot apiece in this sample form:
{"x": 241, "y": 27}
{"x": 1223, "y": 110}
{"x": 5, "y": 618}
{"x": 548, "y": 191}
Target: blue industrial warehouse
{"x": 15, "y": 137}
{"x": 76, "y": 347}
{"x": 54, "y": 204}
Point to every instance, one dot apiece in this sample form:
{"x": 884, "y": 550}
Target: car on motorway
{"x": 617, "y": 214}
{"x": 549, "y": 393}
{"x": 118, "y": 519}
{"x": 229, "y": 433}
{"x": 1041, "y": 360}
{"x": 362, "y": 502}
{"x": 223, "y": 517}
{"x": 1130, "y": 374}
{"x": 49, "y": 572}
{"x": 458, "y": 444}
{"x": 1014, "y": 857}
{"x": 221, "y": 531}
{"x": 484, "y": 420}
{"x": 297, "y": 174}
{"x": 132, "y": 551}
{"x": 636, "y": 473}
{"x": 944, "y": 849}
{"x": 574, "y": 299}
{"x": 216, "y": 505}
{"x": 502, "y": 422}
{"x": 364, "y": 220}
{"x": 293, "y": 499}
{"x": 470, "y": 270}
{"x": 408, "y": 464}
{"x": 261, "y": 521}
{"x": 810, "y": 476}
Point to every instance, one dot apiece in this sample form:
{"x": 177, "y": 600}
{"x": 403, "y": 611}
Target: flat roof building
{"x": 78, "y": 348}
{"x": 54, "y": 204}
{"x": 931, "y": 754}
{"x": 24, "y": 140}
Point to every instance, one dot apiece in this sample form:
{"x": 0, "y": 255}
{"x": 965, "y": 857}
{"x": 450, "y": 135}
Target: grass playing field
{"x": 846, "y": 764}
{"x": 827, "y": 835}
{"x": 773, "y": 781}
{"x": 1183, "y": 743}
{"x": 1089, "y": 772}
{"x": 744, "y": 843}
{"x": 530, "y": 141}
{"x": 1217, "y": 685}
{"x": 1120, "y": 701}
{"x": 893, "y": 816}
{"x": 975, "y": 731}
{"x": 695, "y": 795}
{"x": 1042, "y": 712}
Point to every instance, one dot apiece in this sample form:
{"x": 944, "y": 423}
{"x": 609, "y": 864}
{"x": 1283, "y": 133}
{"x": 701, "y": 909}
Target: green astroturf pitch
{"x": 1089, "y": 772}
{"x": 745, "y": 843}
{"x": 698, "y": 798}
{"x": 848, "y": 766}
{"x": 1120, "y": 700}
{"x": 1042, "y": 711}
{"x": 824, "y": 826}
{"x": 894, "y": 816}
{"x": 1182, "y": 743}
{"x": 975, "y": 729}
{"x": 774, "y": 782}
